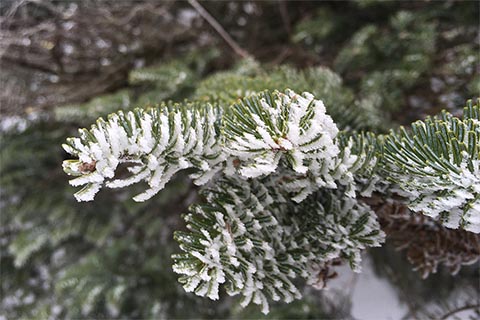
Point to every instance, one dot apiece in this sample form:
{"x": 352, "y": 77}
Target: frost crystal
{"x": 154, "y": 144}
{"x": 267, "y": 130}
{"x": 284, "y": 134}
{"x": 282, "y": 203}
{"x": 288, "y": 240}
{"x": 437, "y": 167}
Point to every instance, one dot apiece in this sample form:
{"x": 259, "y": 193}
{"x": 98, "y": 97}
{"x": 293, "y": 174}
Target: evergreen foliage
{"x": 50, "y": 245}
{"x": 157, "y": 143}
{"x": 286, "y": 137}
{"x": 99, "y": 106}
{"x": 396, "y": 58}
{"x": 255, "y": 240}
{"x": 437, "y": 165}
{"x": 165, "y": 81}
{"x": 257, "y": 134}
{"x": 250, "y": 235}
{"x": 289, "y": 184}
{"x": 392, "y": 63}
{"x": 249, "y": 78}
{"x": 62, "y": 260}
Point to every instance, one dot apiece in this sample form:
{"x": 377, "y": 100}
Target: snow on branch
{"x": 254, "y": 241}
{"x": 283, "y": 201}
{"x": 292, "y": 136}
{"x": 436, "y": 166}
{"x": 257, "y": 136}
{"x": 264, "y": 127}
{"x": 154, "y": 143}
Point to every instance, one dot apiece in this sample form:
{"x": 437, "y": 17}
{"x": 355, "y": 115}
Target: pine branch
{"x": 290, "y": 137}
{"x": 283, "y": 204}
{"x": 252, "y": 239}
{"x": 262, "y": 128}
{"x": 95, "y": 108}
{"x": 437, "y": 167}
{"x": 156, "y": 143}
{"x": 257, "y": 135}
{"x": 227, "y": 87}
{"x": 367, "y": 148}
{"x": 166, "y": 77}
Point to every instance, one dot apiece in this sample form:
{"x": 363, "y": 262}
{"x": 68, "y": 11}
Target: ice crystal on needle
{"x": 254, "y": 241}
{"x": 437, "y": 167}
{"x": 155, "y": 143}
{"x": 282, "y": 202}
{"x": 263, "y": 128}
{"x": 289, "y": 134}
{"x": 262, "y": 133}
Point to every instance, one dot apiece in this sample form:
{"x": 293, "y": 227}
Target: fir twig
{"x": 221, "y": 31}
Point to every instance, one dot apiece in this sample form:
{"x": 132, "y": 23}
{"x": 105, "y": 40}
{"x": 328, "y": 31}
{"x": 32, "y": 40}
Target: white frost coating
{"x": 447, "y": 189}
{"x": 93, "y": 177}
{"x": 182, "y": 139}
{"x": 88, "y": 192}
{"x": 252, "y": 237}
{"x": 293, "y": 127}
{"x": 257, "y": 255}
{"x": 274, "y": 134}
{"x": 288, "y": 131}
{"x": 452, "y": 198}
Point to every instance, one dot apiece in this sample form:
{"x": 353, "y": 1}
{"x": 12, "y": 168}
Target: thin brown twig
{"x": 221, "y": 31}
{"x": 285, "y": 17}
{"x": 287, "y": 51}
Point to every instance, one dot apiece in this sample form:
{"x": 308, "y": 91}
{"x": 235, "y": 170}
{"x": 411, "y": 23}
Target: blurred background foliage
{"x": 375, "y": 64}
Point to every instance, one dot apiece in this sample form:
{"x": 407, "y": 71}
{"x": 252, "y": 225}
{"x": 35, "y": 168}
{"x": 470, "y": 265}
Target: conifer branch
{"x": 252, "y": 239}
{"x": 253, "y": 138}
{"x": 155, "y": 144}
{"x": 283, "y": 203}
{"x": 436, "y": 166}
